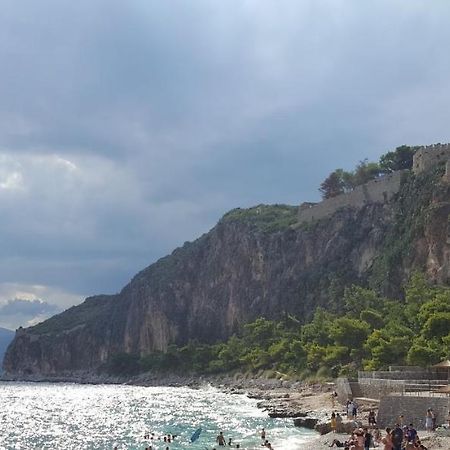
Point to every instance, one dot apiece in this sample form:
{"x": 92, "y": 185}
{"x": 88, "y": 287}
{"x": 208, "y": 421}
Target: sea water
{"x": 69, "y": 416}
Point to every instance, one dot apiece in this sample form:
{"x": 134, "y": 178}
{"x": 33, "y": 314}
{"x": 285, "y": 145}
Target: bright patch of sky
{"x": 127, "y": 128}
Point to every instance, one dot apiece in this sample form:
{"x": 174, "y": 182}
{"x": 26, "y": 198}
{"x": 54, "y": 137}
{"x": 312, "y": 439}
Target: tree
{"x": 350, "y": 333}
{"x": 124, "y": 364}
{"x": 401, "y": 158}
{"x": 418, "y": 292}
{"x": 437, "y": 326}
{"x": 341, "y": 181}
{"x": 423, "y": 353}
{"x": 318, "y": 330}
{"x": 333, "y": 185}
{"x": 357, "y": 299}
{"x": 373, "y": 318}
{"x": 365, "y": 171}
{"x": 388, "y": 345}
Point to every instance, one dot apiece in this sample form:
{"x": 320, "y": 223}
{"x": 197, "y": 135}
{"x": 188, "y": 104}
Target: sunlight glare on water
{"x": 69, "y": 416}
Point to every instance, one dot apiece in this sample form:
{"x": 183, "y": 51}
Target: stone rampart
{"x": 406, "y": 375}
{"x": 430, "y": 155}
{"x": 380, "y": 190}
{"x": 413, "y": 409}
{"x": 343, "y": 389}
{"x": 394, "y": 375}
{"x": 405, "y": 369}
{"x": 377, "y": 388}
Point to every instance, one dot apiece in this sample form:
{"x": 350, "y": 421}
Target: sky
{"x": 128, "y": 128}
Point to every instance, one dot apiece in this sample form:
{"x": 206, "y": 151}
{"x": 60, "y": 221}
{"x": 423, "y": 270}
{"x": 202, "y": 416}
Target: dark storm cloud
{"x": 127, "y": 128}
{"x": 26, "y": 307}
{"x": 19, "y": 312}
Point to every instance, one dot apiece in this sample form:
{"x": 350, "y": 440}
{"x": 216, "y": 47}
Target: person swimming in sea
{"x": 220, "y": 439}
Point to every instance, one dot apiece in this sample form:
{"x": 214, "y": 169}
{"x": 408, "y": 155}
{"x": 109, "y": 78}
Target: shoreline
{"x": 279, "y": 398}
{"x": 309, "y": 406}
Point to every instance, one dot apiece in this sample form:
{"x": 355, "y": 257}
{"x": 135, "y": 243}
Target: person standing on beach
{"x": 333, "y": 423}
{"x": 412, "y": 434}
{"x": 354, "y": 410}
{"x": 338, "y": 423}
{"x": 367, "y": 439}
{"x": 349, "y": 409}
{"x": 372, "y": 418}
{"x": 333, "y": 398}
{"x": 428, "y": 420}
{"x": 397, "y": 437}
{"x": 377, "y": 435}
{"x": 387, "y": 440}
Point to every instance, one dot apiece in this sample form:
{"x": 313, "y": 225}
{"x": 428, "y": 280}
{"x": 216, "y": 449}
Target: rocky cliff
{"x": 256, "y": 262}
{"x": 6, "y": 336}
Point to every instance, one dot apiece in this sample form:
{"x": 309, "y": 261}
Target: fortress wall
{"x": 343, "y": 389}
{"x": 429, "y": 156}
{"x": 412, "y": 408}
{"x": 380, "y": 190}
{"x": 377, "y": 388}
{"x": 396, "y": 375}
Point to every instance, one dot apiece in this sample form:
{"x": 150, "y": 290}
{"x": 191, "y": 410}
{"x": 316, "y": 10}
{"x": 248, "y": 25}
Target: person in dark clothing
{"x": 372, "y": 419}
{"x": 412, "y": 433}
{"x": 397, "y": 437}
{"x": 220, "y": 439}
{"x": 367, "y": 439}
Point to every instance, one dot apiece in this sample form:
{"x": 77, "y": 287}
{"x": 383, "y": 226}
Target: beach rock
{"x": 323, "y": 427}
{"x": 283, "y": 413}
{"x": 306, "y": 422}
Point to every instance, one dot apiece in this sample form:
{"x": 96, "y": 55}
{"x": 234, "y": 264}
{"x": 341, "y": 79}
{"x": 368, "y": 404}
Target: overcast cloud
{"x": 127, "y": 128}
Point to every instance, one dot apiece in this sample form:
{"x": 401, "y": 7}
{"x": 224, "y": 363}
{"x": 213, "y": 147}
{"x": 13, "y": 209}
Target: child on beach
{"x": 333, "y": 422}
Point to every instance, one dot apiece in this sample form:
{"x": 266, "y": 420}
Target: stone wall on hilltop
{"x": 380, "y": 190}
{"x": 427, "y": 157}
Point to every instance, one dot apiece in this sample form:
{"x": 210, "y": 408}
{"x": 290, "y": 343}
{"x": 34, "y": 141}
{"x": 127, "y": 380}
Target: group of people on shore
{"x": 397, "y": 438}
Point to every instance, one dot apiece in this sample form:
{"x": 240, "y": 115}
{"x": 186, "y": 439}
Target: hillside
{"x": 257, "y": 262}
{"x": 6, "y": 336}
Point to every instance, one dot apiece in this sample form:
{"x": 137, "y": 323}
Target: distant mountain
{"x": 6, "y": 336}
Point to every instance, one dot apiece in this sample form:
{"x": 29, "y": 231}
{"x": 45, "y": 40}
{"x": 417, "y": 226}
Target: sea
{"x": 73, "y": 416}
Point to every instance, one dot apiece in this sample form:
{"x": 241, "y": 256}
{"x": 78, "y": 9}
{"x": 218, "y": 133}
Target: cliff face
{"x": 253, "y": 263}
{"x": 6, "y": 336}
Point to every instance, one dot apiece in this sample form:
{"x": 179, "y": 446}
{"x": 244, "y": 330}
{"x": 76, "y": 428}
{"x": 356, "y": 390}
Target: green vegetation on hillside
{"x": 90, "y": 311}
{"x": 266, "y": 218}
{"x": 370, "y": 332}
{"x": 412, "y": 211}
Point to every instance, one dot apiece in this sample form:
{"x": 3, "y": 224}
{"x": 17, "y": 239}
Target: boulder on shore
{"x": 306, "y": 422}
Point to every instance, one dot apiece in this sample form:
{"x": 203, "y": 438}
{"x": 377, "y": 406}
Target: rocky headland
{"x": 259, "y": 262}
